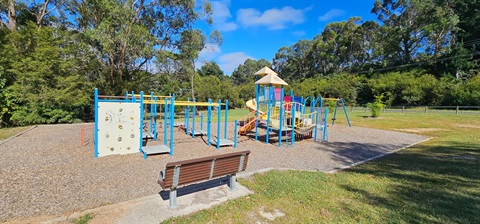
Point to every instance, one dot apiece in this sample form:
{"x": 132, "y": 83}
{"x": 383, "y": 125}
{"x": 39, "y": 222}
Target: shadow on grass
{"x": 347, "y": 153}
{"x": 432, "y": 184}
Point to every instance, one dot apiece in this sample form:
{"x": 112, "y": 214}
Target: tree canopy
{"x": 54, "y": 52}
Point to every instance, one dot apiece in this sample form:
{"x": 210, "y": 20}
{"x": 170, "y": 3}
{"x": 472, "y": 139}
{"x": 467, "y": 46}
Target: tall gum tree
{"x": 125, "y": 35}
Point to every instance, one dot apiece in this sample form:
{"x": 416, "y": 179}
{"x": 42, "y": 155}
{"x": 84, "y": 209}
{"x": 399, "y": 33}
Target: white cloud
{"x": 207, "y": 54}
{"x": 221, "y": 14}
{"x": 229, "y": 62}
{"x": 273, "y": 19}
{"x": 299, "y": 33}
{"x": 331, "y": 14}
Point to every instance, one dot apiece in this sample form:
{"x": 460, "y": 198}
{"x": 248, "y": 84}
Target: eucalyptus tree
{"x": 126, "y": 35}
{"x": 211, "y": 68}
{"x": 8, "y": 14}
{"x": 246, "y": 71}
{"x": 403, "y": 23}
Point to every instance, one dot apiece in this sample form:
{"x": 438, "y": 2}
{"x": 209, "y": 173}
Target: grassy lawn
{"x": 7, "y": 132}
{"x": 434, "y": 182}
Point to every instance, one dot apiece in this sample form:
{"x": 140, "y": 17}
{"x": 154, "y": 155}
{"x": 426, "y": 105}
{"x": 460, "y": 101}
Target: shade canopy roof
{"x": 271, "y": 78}
{"x": 265, "y": 71}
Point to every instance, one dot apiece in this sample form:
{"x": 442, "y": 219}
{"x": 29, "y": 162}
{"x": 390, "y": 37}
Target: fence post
{"x": 365, "y": 109}
{"x": 426, "y": 107}
{"x": 403, "y": 109}
{"x": 456, "y": 110}
{"x": 384, "y": 109}
{"x": 351, "y": 109}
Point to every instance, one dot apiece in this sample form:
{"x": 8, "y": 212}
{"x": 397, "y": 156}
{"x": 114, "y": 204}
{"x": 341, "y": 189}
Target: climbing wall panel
{"x": 118, "y": 128}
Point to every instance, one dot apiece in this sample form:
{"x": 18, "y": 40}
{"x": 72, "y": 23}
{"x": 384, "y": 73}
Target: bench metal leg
{"x": 173, "y": 198}
{"x": 233, "y": 182}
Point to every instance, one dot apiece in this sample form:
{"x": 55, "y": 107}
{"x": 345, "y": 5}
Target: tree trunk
{"x": 12, "y": 15}
{"x": 191, "y": 81}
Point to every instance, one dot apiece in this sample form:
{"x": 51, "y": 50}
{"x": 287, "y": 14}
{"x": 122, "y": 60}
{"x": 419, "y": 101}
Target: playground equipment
{"x": 192, "y": 131}
{"x": 289, "y": 116}
{"x": 120, "y": 127}
{"x": 219, "y": 141}
{"x": 339, "y": 103}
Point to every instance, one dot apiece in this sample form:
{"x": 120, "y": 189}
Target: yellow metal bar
{"x": 330, "y": 99}
{"x": 183, "y": 103}
{"x": 191, "y": 103}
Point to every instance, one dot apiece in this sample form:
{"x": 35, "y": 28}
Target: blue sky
{"x": 257, "y": 29}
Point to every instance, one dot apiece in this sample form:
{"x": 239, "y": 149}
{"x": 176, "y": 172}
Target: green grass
{"x": 83, "y": 219}
{"x": 437, "y": 181}
{"x": 7, "y": 132}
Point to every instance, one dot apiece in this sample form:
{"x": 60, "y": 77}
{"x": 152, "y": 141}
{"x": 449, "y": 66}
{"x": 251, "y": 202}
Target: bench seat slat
{"x": 196, "y": 170}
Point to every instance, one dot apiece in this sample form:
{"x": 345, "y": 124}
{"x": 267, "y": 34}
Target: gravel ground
{"x": 45, "y": 172}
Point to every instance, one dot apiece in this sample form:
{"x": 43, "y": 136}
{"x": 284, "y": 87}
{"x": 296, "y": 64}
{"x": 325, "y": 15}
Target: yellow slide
{"x": 252, "y": 106}
{"x": 249, "y": 119}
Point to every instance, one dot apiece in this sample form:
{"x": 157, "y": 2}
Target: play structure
{"x": 121, "y": 127}
{"x": 289, "y": 116}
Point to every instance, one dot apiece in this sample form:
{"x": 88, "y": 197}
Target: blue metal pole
{"x": 292, "y": 133}
{"x": 280, "y": 134}
{"x": 257, "y": 89}
{"x": 201, "y": 122}
{"x": 165, "y": 124}
{"x": 324, "y": 137}
{"x": 345, "y": 111}
{"x": 209, "y": 120}
{"x": 226, "y": 120}
{"x": 302, "y": 105}
{"x": 312, "y": 104}
{"x": 155, "y": 131}
{"x": 218, "y": 123}
{"x": 194, "y": 111}
{"x": 335, "y": 113}
{"x": 172, "y": 108}
{"x": 268, "y": 117}
{"x": 187, "y": 117}
{"x": 95, "y": 138}
{"x": 316, "y": 125}
{"x": 151, "y": 110}
{"x": 141, "y": 124}
{"x": 235, "y": 134}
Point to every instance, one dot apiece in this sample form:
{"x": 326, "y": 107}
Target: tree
{"x": 47, "y": 87}
{"x": 8, "y": 12}
{"x": 403, "y": 21}
{"x": 211, "y": 68}
{"x": 246, "y": 71}
{"x": 125, "y": 35}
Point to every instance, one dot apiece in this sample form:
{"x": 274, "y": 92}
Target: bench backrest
{"x": 195, "y": 170}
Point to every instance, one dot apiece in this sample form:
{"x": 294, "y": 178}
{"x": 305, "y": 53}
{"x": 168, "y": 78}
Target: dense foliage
{"x": 53, "y": 53}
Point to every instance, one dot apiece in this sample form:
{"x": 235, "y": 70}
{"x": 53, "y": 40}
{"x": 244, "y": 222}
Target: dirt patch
{"x": 419, "y": 130}
{"x": 466, "y": 126}
{"x": 271, "y": 215}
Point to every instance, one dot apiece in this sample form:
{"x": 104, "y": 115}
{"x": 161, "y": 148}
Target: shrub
{"x": 376, "y": 106}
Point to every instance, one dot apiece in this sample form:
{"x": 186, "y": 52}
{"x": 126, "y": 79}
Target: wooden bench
{"x": 186, "y": 172}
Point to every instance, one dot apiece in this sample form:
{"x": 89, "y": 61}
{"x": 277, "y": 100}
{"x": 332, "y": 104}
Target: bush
{"x": 376, "y": 106}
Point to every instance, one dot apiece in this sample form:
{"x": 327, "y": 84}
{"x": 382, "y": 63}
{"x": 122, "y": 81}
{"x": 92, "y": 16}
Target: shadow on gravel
{"x": 431, "y": 184}
{"x": 196, "y": 187}
{"x": 352, "y": 152}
